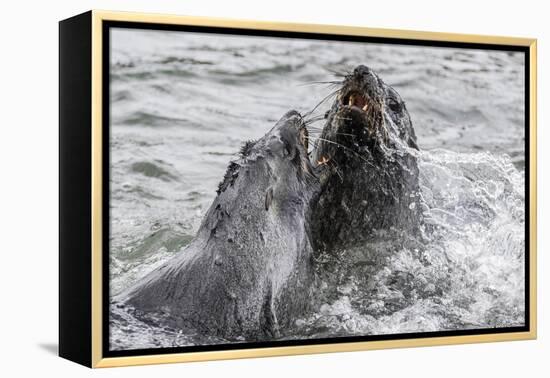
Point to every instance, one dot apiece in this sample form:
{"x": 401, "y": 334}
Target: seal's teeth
{"x": 323, "y": 161}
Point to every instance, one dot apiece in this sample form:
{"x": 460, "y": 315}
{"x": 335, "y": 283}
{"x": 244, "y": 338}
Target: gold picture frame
{"x": 92, "y": 24}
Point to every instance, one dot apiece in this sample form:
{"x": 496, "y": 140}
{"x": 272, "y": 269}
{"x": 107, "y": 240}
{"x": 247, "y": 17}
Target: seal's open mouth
{"x": 354, "y": 98}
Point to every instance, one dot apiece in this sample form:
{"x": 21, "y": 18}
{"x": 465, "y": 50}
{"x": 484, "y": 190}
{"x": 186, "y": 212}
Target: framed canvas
{"x": 235, "y": 189}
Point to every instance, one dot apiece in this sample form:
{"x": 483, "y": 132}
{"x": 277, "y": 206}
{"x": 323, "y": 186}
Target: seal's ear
{"x": 268, "y": 198}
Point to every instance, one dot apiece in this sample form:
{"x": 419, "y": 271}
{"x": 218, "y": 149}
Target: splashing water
{"x": 468, "y": 272}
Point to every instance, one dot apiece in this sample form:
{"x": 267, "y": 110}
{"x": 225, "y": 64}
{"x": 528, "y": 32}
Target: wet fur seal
{"x": 367, "y": 154}
{"x": 247, "y": 273}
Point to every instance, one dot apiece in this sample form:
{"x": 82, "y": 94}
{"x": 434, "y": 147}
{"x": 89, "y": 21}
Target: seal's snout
{"x": 292, "y": 128}
{"x": 361, "y": 89}
{"x": 292, "y": 119}
{"x": 361, "y": 70}
{"x": 366, "y": 76}
{"x": 292, "y": 114}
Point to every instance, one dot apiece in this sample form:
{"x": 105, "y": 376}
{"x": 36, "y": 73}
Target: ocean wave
{"x": 152, "y": 169}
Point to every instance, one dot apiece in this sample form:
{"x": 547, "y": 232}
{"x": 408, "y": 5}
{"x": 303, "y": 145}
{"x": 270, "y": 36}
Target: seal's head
{"x": 366, "y": 164}
{"x": 366, "y": 114}
{"x": 277, "y": 163}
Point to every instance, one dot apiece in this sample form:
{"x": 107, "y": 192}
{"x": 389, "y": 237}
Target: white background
{"x": 29, "y": 174}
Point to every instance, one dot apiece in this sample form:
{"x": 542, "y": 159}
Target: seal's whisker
{"x": 315, "y": 119}
{"x": 326, "y": 98}
{"x": 337, "y": 73}
{"x": 336, "y": 169}
{"x": 335, "y": 133}
{"x": 328, "y": 83}
{"x": 317, "y": 139}
{"x": 342, "y": 118}
{"x": 311, "y": 126}
{"x": 326, "y": 140}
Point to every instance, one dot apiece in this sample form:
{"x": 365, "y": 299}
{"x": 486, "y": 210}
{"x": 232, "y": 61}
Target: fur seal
{"x": 247, "y": 273}
{"x": 366, "y": 156}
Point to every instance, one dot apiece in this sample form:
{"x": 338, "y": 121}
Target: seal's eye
{"x": 394, "y": 105}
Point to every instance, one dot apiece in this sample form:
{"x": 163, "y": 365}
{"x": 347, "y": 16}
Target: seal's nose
{"x": 366, "y": 76}
{"x": 361, "y": 70}
{"x": 291, "y": 114}
{"x": 291, "y": 118}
